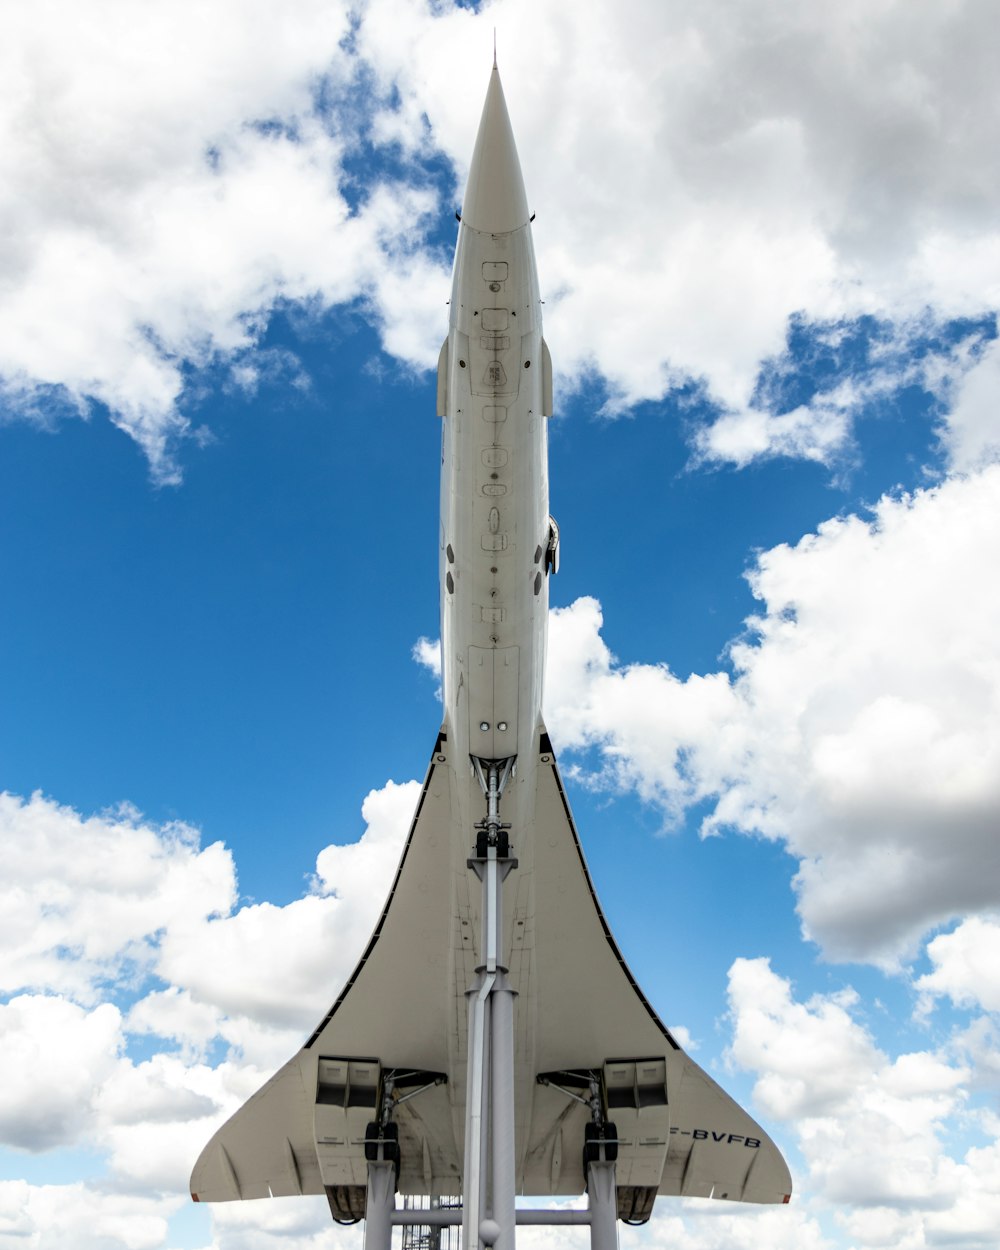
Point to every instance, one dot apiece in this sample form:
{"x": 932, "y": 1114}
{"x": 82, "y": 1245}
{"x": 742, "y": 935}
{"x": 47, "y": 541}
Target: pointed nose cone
{"x": 495, "y": 202}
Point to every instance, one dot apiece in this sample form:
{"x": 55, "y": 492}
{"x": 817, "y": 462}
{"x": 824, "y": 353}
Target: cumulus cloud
{"x": 70, "y": 922}
{"x": 148, "y": 915}
{"x": 807, "y": 399}
{"x": 55, "y": 1057}
{"x": 971, "y": 1222}
{"x": 282, "y": 966}
{"x": 870, "y": 1128}
{"x": 972, "y": 431}
{"x": 147, "y": 899}
{"x": 149, "y": 1113}
{"x": 711, "y": 1226}
{"x": 167, "y": 188}
{"x": 427, "y": 652}
{"x": 733, "y": 165}
{"x": 815, "y": 431}
{"x": 82, "y": 1217}
{"x": 68, "y": 1081}
{"x": 700, "y": 1225}
{"x": 860, "y": 726}
{"x": 966, "y": 964}
{"x": 273, "y": 1225}
{"x": 876, "y": 1132}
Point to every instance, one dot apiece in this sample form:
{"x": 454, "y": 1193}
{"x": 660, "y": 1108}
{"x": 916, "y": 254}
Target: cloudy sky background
{"x": 768, "y": 241}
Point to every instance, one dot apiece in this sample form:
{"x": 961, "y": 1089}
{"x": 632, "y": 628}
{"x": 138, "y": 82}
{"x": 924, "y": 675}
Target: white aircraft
{"x": 491, "y": 1042}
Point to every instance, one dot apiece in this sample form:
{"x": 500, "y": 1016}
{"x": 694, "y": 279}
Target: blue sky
{"x": 766, "y": 239}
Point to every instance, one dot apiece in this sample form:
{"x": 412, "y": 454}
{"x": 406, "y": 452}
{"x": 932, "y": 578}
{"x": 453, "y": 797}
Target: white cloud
{"x": 172, "y": 1014}
{"x": 153, "y": 1115}
{"x": 146, "y": 899}
{"x": 143, "y": 902}
{"x": 273, "y": 1225}
{"x": 869, "y": 1127}
{"x": 972, "y": 431}
{"x": 697, "y": 1225}
{"x": 972, "y": 1221}
{"x": 877, "y": 1133}
{"x": 808, "y": 1054}
{"x": 55, "y": 1057}
{"x": 813, "y": 432}
{"x": 849, "y": 369}
{"x": 155, "y": 1091}
{"x": 68, "y": 1081}
{"x": 347, "y": 871}
{"x": 646, "y": 721}
{"x": 979, "y": 1048}
{"x": 713, "y": 1225}
{"x": 683, "y": 1036}
{"x": 732, "y": 165}
{"x": 166, "y": 909}
{"x": 282, "y": 966}
{"x": 194, "y": 1026}
{"x": 35, "y": 1217}
{"x": 427, "y": 651}
{"x": 267, "y": 962}
{"x": 169, "y": 177}
{"x": 68, "y": 921}
{"x": 966, "y": 964}
{"x": 862, "y": 726}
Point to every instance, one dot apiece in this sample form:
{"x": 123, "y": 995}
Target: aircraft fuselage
{"x": 494, "y": 503}
{"x": 491, "y": 1040}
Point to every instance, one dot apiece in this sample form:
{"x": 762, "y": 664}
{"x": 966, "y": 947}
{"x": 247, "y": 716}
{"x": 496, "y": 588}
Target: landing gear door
{"x": 347, "y": 1095}
{"x": 552, "y": 548}
{"x": 636, "y": 1091}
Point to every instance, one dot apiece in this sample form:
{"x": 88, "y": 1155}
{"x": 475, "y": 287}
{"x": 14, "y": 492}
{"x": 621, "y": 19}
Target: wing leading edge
{"x": 304, "y": 1131}
{"x": 398, "y": 1027}
{"x": 679, "y": 1133}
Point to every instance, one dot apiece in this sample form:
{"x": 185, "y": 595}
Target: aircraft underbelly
{"x": 494, "y": 498}
{"x": 391, "y": 1056}
{"x": 577, "y": 1008}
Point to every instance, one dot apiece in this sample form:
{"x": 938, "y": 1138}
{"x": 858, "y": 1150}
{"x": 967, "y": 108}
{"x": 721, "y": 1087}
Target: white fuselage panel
{"x": 494, "y": 501}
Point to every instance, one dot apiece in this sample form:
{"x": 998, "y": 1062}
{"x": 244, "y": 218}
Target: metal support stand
{"x": 502, "y": 1123}
{"x": 488, "y": 1216}
{"x": 380, "y": 1205}
{"x": 489, "y": 1176}
{"x": 603, "y": 1206}
{"x": 477, "y": 1108}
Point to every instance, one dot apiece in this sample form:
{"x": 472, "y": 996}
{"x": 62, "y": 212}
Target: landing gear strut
{"x": 489, "y": 1174}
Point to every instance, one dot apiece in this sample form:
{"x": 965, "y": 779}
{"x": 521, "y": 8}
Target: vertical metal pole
{"x": 476, "y": 1091}
{"x": 489, "y": 1180}
{"x": 502, "y": 1112}
{"x": 380, "y": 1204}
{"x": 486, "y": 1118}
{"x": 491, "y": 911}
{"x": 603, "y": 1206}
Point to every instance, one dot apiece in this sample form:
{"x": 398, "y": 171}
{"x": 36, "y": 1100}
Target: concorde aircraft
{"x": 492, "y": 1042}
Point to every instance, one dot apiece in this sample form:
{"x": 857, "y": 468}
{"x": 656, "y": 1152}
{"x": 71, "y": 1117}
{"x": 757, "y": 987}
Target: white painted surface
{"x": 577, "y": 1006}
